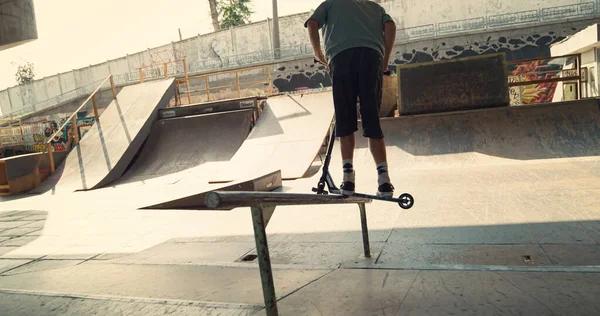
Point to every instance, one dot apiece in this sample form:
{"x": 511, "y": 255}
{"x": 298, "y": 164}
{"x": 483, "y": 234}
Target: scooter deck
{"x": 405, "y": 200}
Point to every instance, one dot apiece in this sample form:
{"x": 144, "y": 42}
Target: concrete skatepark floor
{"x": 431, "y": 260}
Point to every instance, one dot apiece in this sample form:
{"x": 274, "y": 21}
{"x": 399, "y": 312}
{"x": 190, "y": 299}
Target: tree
{"x": 214, "y": 14}
{"x": 25, "y": 73}
{"x": 234, "y": 12}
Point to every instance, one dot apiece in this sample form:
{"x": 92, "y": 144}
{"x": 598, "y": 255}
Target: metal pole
{"x": 264, "y": 261}
{"x": 237, "y": 82}
{"x": 276, "y": 42}
{"x": 113, "y": 88}
{"x": 187, "y": 81}
{"x": 75, "y": 129}
{"x": 50, "y": 156}
{"x": 95, "y": 104}
{"x": 365, "y": 229}
{"x": 579, "y": 85}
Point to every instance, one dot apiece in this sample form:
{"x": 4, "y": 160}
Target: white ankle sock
{"x": 348, "y": 170}
{"x": 382, "y": 172}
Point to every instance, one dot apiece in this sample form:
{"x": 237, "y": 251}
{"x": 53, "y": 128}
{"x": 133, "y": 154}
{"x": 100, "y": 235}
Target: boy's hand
{"x": 385, "y": 64}
{"x": 320, "y": 58}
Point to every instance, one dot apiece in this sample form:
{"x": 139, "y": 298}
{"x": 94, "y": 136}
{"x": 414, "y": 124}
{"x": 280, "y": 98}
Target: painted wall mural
{"x": 544, "y": 69}
{"x": 517, "y": 46}
{"x": 303, "y": 75}
{"x": 36, "y": 134}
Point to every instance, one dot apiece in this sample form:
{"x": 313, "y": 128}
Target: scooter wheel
{"x": 406, "y": 201}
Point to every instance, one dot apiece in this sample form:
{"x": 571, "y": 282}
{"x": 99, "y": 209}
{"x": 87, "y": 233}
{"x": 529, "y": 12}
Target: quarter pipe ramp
{"x": 108, "y": 147}
{"x": 287, "y": 137}
{"x": 177, "y": 147}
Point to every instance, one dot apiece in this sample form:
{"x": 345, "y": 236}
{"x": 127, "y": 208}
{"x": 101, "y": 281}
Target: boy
{"x": 359, "y": 36}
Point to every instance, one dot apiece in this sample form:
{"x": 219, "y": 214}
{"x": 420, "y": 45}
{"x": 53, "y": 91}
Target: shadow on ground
{"x": 18, "y": 228}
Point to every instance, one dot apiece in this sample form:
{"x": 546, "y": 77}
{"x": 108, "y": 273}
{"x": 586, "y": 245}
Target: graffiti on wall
{"x": 210, "y": 55}
{"x": 544, "y": 69}
{"x": 40, "y": 131}
{"x": 518, "y": 47}
{"x": 305, "y": 77}
{"x": 161, "y": 57}
{"x": 172, "y": 58}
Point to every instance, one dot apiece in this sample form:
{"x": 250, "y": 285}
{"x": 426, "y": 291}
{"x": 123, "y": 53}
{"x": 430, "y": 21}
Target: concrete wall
{"x": 17, "y": 23}
{"x": 520, "y": 44}
{"x": 429, "y": 30}
{"x": 5, "y": 105}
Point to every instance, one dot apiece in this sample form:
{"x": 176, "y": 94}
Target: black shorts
{"x": 357, "y": 72}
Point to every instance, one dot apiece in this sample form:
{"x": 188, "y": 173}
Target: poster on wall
{"x": 540, "y": 69}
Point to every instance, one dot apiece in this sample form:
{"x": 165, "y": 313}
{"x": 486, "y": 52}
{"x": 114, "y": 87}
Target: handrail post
{"x": 365, "y": 230}
{"x": 237, "y": 82}
{"x": 112, "y": 86}
{"x": 270, "y": 83}
{"x": 95, "y": 104}
{"x": 579, "y": 85}
{"x": 50, "y": 156}
{"x": 166, "y": 71}
{"x": 177, "y": 93}
{"x": 264, "y": 260}
{"x": 187, "y": 81}
{"x": 75, "y": 129}
{"x": 207, "y": 89}
{"x": 141, "y": 75}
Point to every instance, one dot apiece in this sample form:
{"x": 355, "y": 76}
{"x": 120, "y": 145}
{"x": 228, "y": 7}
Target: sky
{"x": 76, "y": 33}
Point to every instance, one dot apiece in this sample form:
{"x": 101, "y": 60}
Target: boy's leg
{"x": 345, "y": 93}
{"x": 377, "y": 147}
{"x": 370, "y": 85}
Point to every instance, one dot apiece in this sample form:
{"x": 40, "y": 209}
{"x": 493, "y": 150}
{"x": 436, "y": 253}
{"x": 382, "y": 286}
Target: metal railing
{"x": 73, "y": 120}
{"x": 163, "y": 70}
{"x": 68, "y": 96}
{"x": 544, "y": 15}
{"x": 205, "y": 79}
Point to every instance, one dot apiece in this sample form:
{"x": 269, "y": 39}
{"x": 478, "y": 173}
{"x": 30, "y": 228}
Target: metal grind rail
{"x": 261, "y": 202}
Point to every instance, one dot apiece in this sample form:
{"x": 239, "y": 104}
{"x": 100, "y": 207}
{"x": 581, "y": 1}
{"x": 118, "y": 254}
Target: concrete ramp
{"x": 176, "y": 147}
{"x": 108, "y": 147}
{"x": 493, "y": 137}
{"x": 287, "y": 137}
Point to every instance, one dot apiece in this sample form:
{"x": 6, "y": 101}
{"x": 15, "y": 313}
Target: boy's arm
{"x": 389, "y": 37}
{"x": 315, "y": 41}
{"x": 316, "y": 21}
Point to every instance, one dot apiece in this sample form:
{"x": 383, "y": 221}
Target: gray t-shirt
{"x": 351, "y": 23}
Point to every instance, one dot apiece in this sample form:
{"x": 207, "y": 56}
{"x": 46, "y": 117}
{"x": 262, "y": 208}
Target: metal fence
{"x": 66, "y": 97}
{"x": 413, "y": 33}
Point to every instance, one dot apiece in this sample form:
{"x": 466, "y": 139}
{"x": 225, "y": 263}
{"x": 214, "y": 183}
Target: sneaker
{"x": 385, "y": 190}
{"x": 347, "y": 188}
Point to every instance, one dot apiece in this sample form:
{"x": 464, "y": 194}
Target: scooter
{"x": 405, "y": 201}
